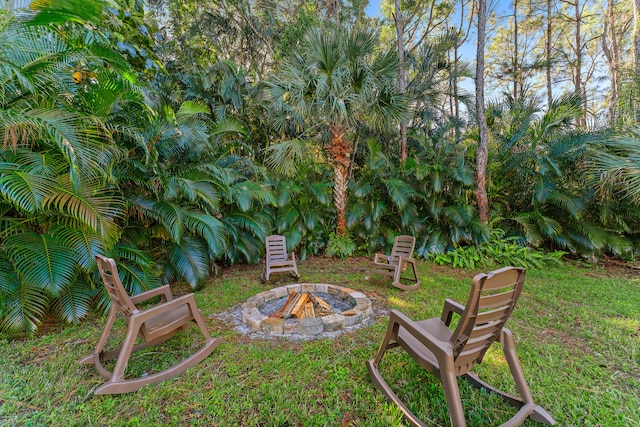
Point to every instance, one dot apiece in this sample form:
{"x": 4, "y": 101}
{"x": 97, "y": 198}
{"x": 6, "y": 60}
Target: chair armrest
{"x": 381, "y": 257}
{"x": 402, "y": 260}
{"x": 436, "y": 346}
{"x": 450, "y": 307}
{"x": 162, "y": 290}
{"x": 156, "y": 310}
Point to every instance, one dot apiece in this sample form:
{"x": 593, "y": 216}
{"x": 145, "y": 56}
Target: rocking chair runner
{"x": 397, "y": 262}
{"x": 277, "y": 259}
{"x": 449, "y": 354}
{"x": 154, "y": 325}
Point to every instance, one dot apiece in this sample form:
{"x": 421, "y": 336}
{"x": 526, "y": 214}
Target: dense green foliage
{"x": 176, "y": 144}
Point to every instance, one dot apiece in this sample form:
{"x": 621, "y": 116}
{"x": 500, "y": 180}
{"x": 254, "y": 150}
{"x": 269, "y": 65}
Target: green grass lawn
{"x": 577, "y": 333}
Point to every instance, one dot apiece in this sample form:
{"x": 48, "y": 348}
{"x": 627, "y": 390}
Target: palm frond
{"x": 321, "y": 192}
{"x": 170, "y": 215}
{"x": 285, "y": 156}
{"x": 245, "y": 247}
{"x": 82, "y": 147}
{"x": 42, "y": 261}
{"x": 97, "y": 210}
{"x": 254, "y": 223}
{"x": 86, "y": 244}
{"x": 135, "y": 268}
{"x": 286, "y": 192}
{"x": 399, "y": 191}
{"x": 23, "y": 190}
{"x": 189, "y": 109}
{"x": 209, "y": 228}
{"x": 73, "y": 302}
{"x": 21, "y": 306}
{"x": 189, "y": 260}
{"x": 527, "y": 222}
{"x": 55, "y": 12}
{"x": 228, "y": 125}
{"x": 245, "y": 193}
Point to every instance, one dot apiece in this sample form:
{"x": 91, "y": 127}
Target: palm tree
{"x": 333, "y": 82}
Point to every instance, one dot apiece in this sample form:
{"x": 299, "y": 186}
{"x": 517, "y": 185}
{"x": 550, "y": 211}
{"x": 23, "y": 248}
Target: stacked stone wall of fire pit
{"x": 260, "y": 321}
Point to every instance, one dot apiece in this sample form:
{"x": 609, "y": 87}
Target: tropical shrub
{"x": 59, "y": 200}
{"x": 93, "y": 162}
{"x": 444, "y": 181}
{"x": 498, "y": 251}
{"x": 538, "y": 175}
{"x": 303, "y": 209}
{"x": 340, "y": 246}
{"x": 382, "y": 202}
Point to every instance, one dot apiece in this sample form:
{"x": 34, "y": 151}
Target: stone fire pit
{"x": 351, "y": 308}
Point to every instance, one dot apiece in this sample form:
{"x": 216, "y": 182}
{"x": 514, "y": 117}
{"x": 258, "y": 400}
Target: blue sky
{"x": 373, "y": 8}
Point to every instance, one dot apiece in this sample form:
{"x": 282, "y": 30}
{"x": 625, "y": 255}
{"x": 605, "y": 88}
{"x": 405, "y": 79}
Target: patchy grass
{"x": 577, "y": 334}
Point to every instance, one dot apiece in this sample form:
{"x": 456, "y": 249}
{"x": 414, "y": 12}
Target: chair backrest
{"x": 112, "y": 283}
{"x": 491, "y": 301}
{"x": 276, "y": 248}
{"x": 403, "y": 246}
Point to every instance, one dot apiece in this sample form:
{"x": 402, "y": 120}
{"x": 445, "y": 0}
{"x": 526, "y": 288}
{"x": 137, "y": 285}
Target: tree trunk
{"x": 339, "y": 152}
{"x": 456, "y": 102}
{"x": 548, "y": 55}
{"x": 402, "y": 79}
{"x": 514, "y": 61}
{"x": 578, "y": 72}
{"x": 482, "y": 152}
{"x": 611, "y": 52}
{"x": 636, "y": 36}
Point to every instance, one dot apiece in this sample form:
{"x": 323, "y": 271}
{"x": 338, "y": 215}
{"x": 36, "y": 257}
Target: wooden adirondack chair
{"x": 154, "y": 325}
{"x": 277, "y": 259}
{"x": 450, "y": 353}
{"x": 397, "y": 262}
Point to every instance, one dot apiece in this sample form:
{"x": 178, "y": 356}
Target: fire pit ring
{"x": 256, "y": 319}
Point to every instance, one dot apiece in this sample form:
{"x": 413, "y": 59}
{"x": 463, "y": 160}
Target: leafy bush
{"x": 499, "y": 251}
{"x": 340, "y": 246}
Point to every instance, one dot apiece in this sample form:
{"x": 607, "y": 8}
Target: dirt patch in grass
{"x": 607, "y": 267}
{"x": 574, "y": 344}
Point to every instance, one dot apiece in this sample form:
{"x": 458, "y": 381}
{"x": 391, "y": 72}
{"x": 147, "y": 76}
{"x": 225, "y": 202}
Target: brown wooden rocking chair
{"x": 154, "y": 325}
{"x": 397, "y": 262}
{"x": 277, "y": 259}
{"x": 450, "y": 353}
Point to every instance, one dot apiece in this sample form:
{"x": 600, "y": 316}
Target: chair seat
{"x": 168, "y": 321}
{"x": 421, "y": 354}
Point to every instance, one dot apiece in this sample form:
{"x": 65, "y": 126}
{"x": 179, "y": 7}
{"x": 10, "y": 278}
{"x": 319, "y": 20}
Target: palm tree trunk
{"x": 339, "y": 151}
